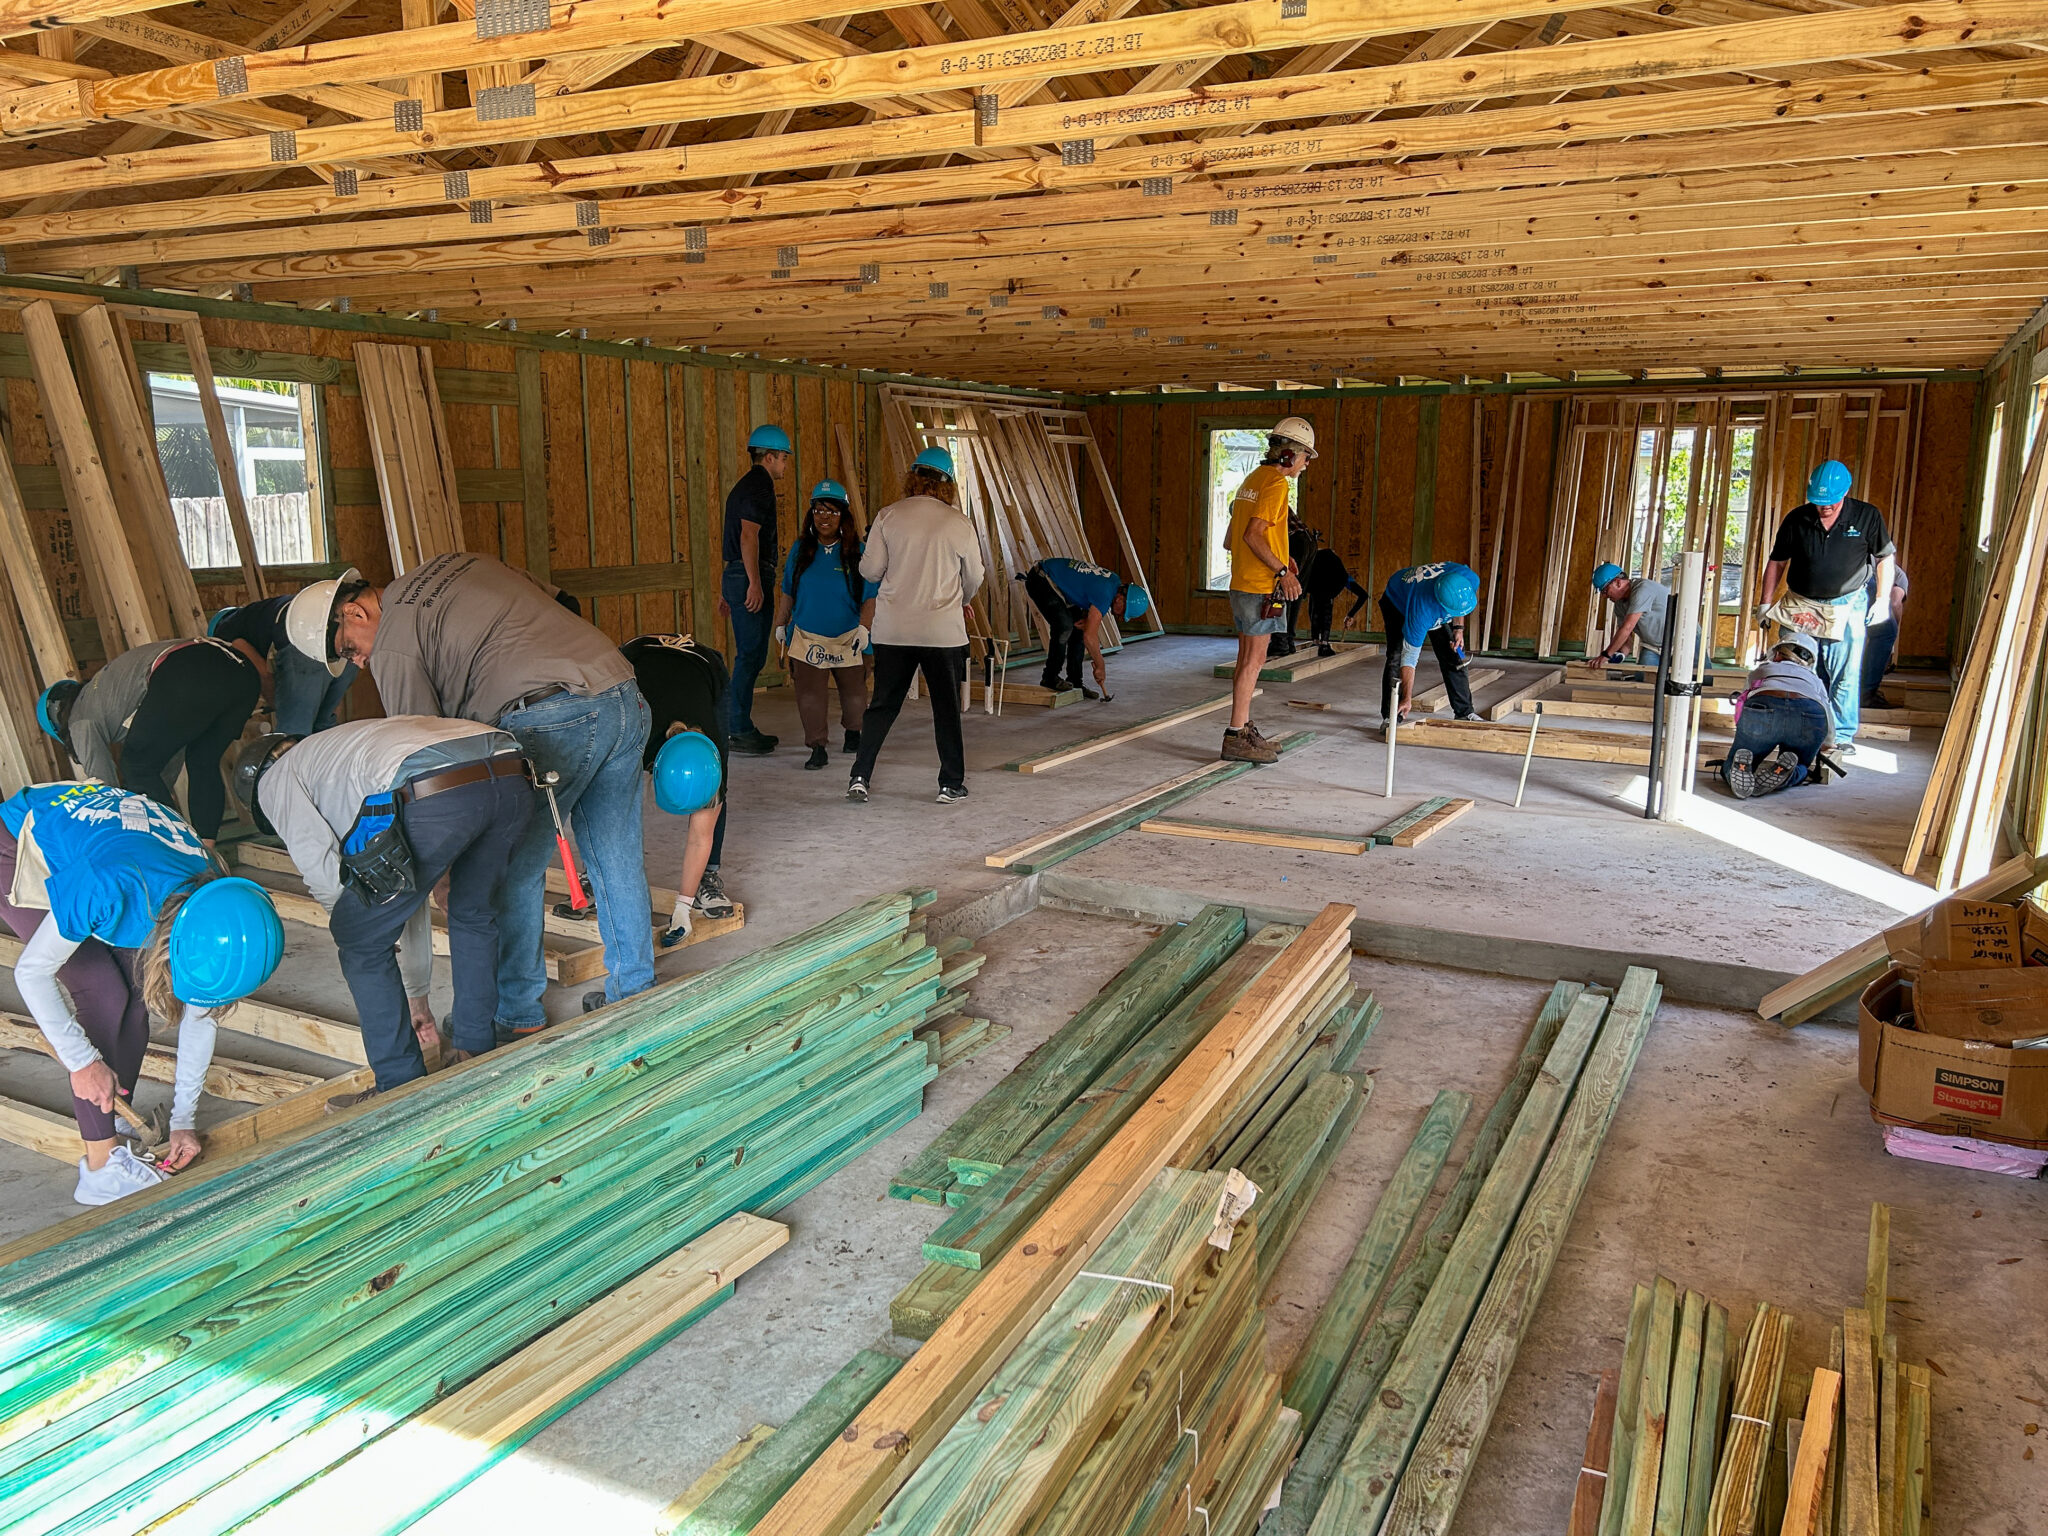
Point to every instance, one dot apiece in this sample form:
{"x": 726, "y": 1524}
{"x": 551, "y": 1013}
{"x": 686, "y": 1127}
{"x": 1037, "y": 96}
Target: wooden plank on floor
{"x": 713, "y": 1478}
{"x": 1428, "y": 827}
{"x": 243, "y": 1081}
{"x": 1437, "y": 700}
{"x": 286, "y": 1117}
{"x": 1087, "y": 746}
{"x": 1385, "y": 835}
{"x": 1575, "y": 746}
{"x": 1025, "y": 693}
{"x": 1004, "y": 858}
{"x": 1290, "y": 670}
{"x": 1267, "y": 837}
{"x": 35, "y": 1129}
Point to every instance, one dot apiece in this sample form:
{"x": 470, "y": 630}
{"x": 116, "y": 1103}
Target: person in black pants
{"x": 685, "y": 687}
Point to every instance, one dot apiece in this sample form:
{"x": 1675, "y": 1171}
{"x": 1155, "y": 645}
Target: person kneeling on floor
{"x": 117, "y": 898}
{"x": 375, "y": 814}
{"x": 1073, "y": 596}
{"x": 1783, "y": 724}
{"x": 685, "y": 685}
{"x": 822, "y": 614}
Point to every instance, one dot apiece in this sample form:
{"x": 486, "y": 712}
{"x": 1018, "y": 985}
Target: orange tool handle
{"x": 577, "y": 900}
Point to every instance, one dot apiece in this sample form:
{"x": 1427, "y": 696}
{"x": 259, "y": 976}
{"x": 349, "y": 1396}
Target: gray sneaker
{"x": 711, "y": 898}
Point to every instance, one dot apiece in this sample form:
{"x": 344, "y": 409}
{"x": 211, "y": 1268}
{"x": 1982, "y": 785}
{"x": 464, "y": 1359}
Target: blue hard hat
{"x": 772, "y": 438}
{"x": 220, "y": 617}
{"x": 830, "y": 490}
{"x": 50, "y": 700}
{"x": 1605, "y": 572}
{"x": 225, "y": 942}
{"x": 686, "y": 775}
{"x": 1829, "y": 483}
{"x": 1136, "y": 603}
{"x": 1457, "y": 591}
{"x": 936, "y": 458}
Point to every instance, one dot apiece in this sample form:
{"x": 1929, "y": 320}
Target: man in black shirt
{"x": 750, "y": 567}
{"x": 308, "y": 694}
{"x": 685, "y": 687}
{"x": 1834, "y": 553}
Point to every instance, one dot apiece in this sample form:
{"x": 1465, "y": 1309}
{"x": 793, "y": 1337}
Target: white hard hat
{"x": 308, "y": 616}
{"x": 1296, "y": 430}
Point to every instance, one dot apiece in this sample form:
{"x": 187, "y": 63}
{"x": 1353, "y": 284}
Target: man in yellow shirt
{"x": 1262, "y": 577}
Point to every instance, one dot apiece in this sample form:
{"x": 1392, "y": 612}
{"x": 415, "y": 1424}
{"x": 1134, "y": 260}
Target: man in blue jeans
{"x": 468, "y": 637}
{"x": 1783, "y": 723}
{"x": 749, "y": 548}
{"x": 1830, "y": 551}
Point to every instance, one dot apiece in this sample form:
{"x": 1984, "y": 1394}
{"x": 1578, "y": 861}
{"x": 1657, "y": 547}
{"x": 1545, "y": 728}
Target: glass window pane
{"x": 267, "y": 435}
{"x": 1234, "y": 452}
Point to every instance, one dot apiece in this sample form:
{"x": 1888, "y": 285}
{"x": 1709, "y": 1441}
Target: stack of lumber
{"x": 1962, "y": 812}
{"x": 1112, "y": 1381}
{"x": 1707, "y": 1432}
{"x": 1396, "y": 1398}
{"x": 188, "y": 1358}
{"x": 1020, "y": 486}
{"x": 410, "y": 451}
{"x": 1050, "y": 847}
{"x": 1281, "y": 1128}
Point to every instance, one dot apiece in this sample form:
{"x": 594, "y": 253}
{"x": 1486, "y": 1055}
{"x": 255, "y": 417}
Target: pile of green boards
{"x": 1003, "y": 1161}
{"x": 1696, "y": 1434}
{"x": 1399, "y": 1379}
{"x": 182, "y": 1361}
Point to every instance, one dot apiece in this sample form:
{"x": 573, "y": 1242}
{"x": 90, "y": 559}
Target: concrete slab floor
{"x": 1766, "y": 1114}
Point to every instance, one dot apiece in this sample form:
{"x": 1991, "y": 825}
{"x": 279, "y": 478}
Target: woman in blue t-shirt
{"x": 114, "y": 895}
{"x": 821, "y": 618}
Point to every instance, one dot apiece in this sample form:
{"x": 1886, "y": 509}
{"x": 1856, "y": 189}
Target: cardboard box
{"x": 2033, "y": 935}
{"x": 1958, "y": 934}
{"x": 1995, "y": 1006}
{"x": 1954, "y": 1087}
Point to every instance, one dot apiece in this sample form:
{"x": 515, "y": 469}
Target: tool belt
{"x": 376, "y": 858}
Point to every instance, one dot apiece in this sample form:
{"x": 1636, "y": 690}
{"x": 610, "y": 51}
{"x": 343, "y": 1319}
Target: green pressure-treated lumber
{"x": 753, "y": 1487}
{"x": 1311, "y": 1065}
{"x": 1426, "y": 1500}
{"x": 1123, "y": 821}
{"x": 916, "y": 1311}
{"x": 1314, "y": 1372}
{"x": 1710, "y": 1413}
{"x": 1384, "y": 836}
{"x": 1358, "y": 1496}
{"x": 1280, "y": 1161}
{"x": 540, "y": 1172}
{"x": 1323, "y": 1450}
{"x": 1628, "y": 1393}
{"x": 390, "y": 1361}
{"x": 541, "y": 1142}
{"x": 1365, "y": 1018}
{"x": 1042, "y": 1410}
{"x": 1674, "y": 1479}
{"x": 1653, "y": 1400}
{"x": 1129, "y": 731}
{"x": 997, "y": 1211}
{"x": 1277, "y": 1077}
{"x": 1143, "y": 993}
{"x": 1276, "y": 1234}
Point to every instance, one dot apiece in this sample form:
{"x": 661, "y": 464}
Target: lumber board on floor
{"x": 1358, "y": 1384}
{"x": 845, "y": 1488}
{"x": 1362, "y": 1491}
{"x": 1710, "y": 710}
{"x": 1739, "y": 1479}
{"x": 709, "y": 1481}
{"x": 397, "y": 1478}
{"x": 1653, "y": 1401}
{"x": 1017, "y": 853}
{"x": 280, "y": 1120}
{"x": 1087, "y": 746}
{"x": 1859, "y": 1427}
{"x": 1808, "y": 1485}
{"x": 1674, "y": 1477}
{"x": 748, "y": 1492}
{"x": 1033, "y": 694}
{"x": 1265, "y": 837}
{"x": 35, "y": 1129}
{"x": 1710, "y": 1418}
{"x": 1276, "y": 1233}
{"x": 1574, "y": 746}
{"x": 1384, "y": 836}
{"x": 1532, "y": 688}
{"x": 1289, "y": 669}
{"x": 1437, "y": 700}
{"x": 1313, "y": 1375}
{"x": 1426, "y": 828}
{"x": 1628, "y": 1396}
{"x": 1425, "y": 1501}
{"x": 244, "y": 1081}
{"x": 1589, "y": 1491}
{"x": 931, "y": 1297}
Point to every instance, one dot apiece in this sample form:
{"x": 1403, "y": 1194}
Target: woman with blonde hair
{"x": 114, "y": 895}
{"x": 926, "y": 560}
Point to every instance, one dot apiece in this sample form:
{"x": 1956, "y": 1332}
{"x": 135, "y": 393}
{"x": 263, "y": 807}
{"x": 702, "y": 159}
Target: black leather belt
{"x": 505, "y": 765}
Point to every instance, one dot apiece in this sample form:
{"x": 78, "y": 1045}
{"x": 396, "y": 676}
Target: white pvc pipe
{"x": 1529, "y": 752}
{"x": 1684, "y": 646}
{"x": 1393, "y": 731}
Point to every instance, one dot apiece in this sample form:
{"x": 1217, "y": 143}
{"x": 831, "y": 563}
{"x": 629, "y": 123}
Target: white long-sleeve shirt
{"x": 35, "y": 975}
{"x": 927, "y": 557}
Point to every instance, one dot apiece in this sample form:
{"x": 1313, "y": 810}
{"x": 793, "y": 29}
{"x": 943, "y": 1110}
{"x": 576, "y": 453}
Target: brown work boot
{"x": 1251, "y": 729}
{"x": 1245, "y": 747}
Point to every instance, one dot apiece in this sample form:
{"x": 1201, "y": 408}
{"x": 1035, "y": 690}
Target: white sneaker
{"x": 122, "y": 1174}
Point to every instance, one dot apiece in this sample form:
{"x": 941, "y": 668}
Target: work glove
{"x": 860, "y": 637}
{"x": 782, "y": 636}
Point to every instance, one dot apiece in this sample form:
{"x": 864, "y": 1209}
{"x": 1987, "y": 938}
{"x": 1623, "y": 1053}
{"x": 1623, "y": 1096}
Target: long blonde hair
{"x": 923, "y": 480}
{"x": 157, "y": 991}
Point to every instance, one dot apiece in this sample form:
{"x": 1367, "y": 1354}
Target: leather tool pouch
{"x": 376, "y": 860}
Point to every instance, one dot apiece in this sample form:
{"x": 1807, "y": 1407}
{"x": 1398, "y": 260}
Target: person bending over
{"x": 685, "y": 686}
{"x": 1073, "y": 596}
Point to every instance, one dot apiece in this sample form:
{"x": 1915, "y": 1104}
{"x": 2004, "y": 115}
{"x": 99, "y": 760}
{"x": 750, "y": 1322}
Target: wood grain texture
{"x": 1859, "y": 1428}
{"x": 1073, "y": 751}
{"x": 1591, "y": 1487}
{"x": 1802, "y": 1499}
{"x": 1428, "y": 827}
{"x": 1629, "y": 1394}
{"x": 1264, "y": 837}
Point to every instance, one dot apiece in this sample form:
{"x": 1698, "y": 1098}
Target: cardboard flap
{"x": 1997, "y": 1007}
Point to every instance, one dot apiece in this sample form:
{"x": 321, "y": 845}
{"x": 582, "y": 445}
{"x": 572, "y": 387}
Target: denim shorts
{"x": 1244, "y": 613}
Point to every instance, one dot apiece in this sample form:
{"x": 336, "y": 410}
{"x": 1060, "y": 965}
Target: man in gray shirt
{"x": 1640, "y": 605}
{"x": 163, "y": 703}
{"x": 465, "y": 635}
{"x": 462, "y": 800}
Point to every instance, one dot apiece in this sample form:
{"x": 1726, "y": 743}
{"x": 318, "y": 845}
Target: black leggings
{"x": 1064, "y": 647}
{"x": 199, "y": 698}
{"x": 1458, "y": 685}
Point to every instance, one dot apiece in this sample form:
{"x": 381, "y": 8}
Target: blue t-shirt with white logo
{"x": 1082, "y": 584}
{"x": 114, "y": 857}
{"x": 1413, "y": 594}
